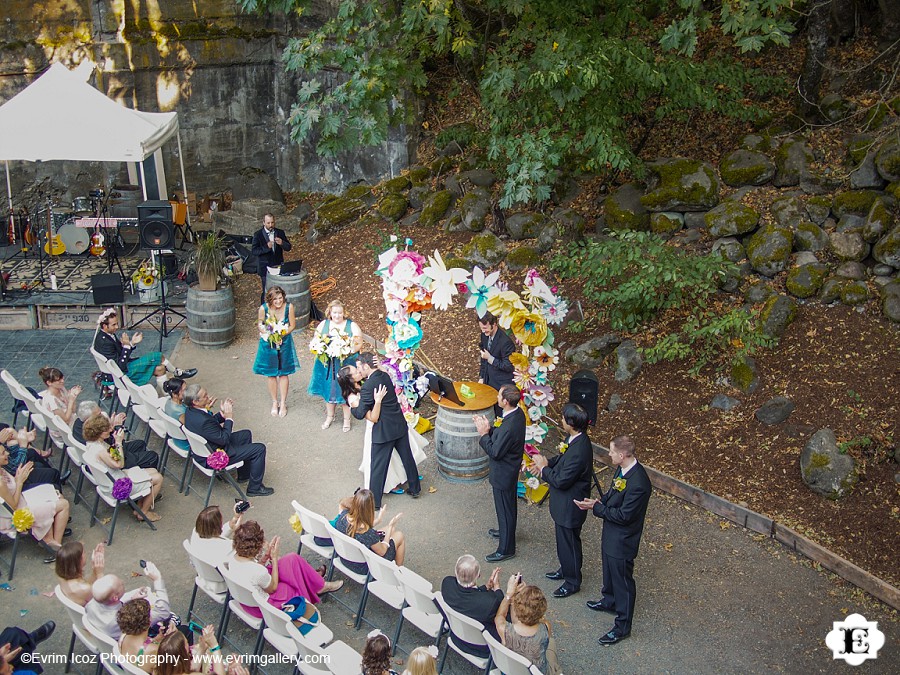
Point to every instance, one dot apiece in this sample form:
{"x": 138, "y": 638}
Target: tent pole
{"x": 8, "y": 185}
{"x": 184, "y": 187}
{"x": 143, "y": 180}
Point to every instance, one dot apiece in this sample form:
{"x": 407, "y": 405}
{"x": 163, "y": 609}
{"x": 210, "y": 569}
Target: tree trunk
{"x": 890, "y": 22}
{"x": 814, "y": 63}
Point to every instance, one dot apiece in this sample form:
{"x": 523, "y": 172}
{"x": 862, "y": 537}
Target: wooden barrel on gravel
{"x": 459, "y": 455}
{"x": 210, "y": 317}
{"x": 296, "y": 290}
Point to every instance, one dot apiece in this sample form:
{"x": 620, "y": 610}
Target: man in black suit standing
{"x": 217, "y": 431}
{"x": 496, "y": 369}
{"x": 390, "y": 432}
{"x": 569, "y": 477}
{"x": 476, "y": 602}
{"x": 504, "y": 443}
{"x": 623, "y": 508}
{"x": 269, "y": 244}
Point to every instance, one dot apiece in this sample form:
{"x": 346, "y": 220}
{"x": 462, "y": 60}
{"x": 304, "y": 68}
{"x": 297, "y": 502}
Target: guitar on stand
{"x": 11, "y": 230}
{"x": 54, "y": 245}
{"x": 97, "y": 206}
{"x": 28, "y": 235}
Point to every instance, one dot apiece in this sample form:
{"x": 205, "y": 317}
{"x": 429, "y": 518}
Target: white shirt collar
{"x": 626, "y": 469}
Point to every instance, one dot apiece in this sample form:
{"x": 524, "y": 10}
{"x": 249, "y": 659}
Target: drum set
{"x": 63, "y": 235}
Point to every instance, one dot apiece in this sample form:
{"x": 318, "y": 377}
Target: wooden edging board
{"x": 756, "y": 522}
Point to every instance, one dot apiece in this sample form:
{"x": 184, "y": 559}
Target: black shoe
{"x": 564, "y": 592}
{"x": 611, "y": 638}
{"x": 65, "y": 477}
{"x": 494, "y": 533}
{"x": 43, "y": 632}
{"x": 598, "y": 606}
{"x": 499, "y": 557}
{"x": 414, "y": 495}
{"x": 554, "y": 576}
{"x": 186, "y": 373}
{"x": 263, "y": 491}
{"x": 50, "y": 559}
{"x": 67, "y": 532}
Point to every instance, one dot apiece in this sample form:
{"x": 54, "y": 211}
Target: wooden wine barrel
{"x": 296, "y": 289}
{"x": 459, "y": 456}
{"x": 210, "y": 317}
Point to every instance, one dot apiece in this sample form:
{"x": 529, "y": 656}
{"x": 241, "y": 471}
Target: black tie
{"x": 490, "y": 342}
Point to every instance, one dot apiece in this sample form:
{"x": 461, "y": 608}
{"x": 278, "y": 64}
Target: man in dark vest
{"x": 269, "y": 245}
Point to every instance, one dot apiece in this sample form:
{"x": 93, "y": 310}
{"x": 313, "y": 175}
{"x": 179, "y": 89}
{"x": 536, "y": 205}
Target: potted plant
{"x": 209, "y": 261}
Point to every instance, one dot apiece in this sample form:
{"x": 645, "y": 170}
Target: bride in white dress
{"x": 396, "y": 475}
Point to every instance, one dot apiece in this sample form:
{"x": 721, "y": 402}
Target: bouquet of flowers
{"x": 334, "y": 345}
{"x": 273, "y": 331}
{"x": 146, "y": 275}
{"x": 115, "y": 453}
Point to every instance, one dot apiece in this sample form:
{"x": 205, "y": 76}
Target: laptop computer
{"x": 291, "y": 268}
{"x": 443, "y": 387}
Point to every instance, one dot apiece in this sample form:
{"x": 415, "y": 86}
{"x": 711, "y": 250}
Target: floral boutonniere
{"x": 497, "y": 422}
{"x": 562, "y": 448}
{"x": 619, "y": 484}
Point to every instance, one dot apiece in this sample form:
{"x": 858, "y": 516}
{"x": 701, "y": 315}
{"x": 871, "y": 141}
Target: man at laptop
{"x": 269, "y": 245}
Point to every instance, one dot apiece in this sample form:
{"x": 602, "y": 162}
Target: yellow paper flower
{"x": 504, "y": 305}
{"x": 529, "y": 328}
{"x": 519, "y": 361}
{"x": 296, "y": 526}
{"x": 23, "y": 519}
{"x": 619, "y": 484}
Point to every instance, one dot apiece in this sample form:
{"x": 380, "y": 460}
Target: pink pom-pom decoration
{"x": 122, "y": 488}
{"x": 217, "y": 460}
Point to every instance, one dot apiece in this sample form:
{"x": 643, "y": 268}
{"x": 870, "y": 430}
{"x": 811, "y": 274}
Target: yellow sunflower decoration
{"x": 23, "y": 519}
{"x": 519, "y": 361}
{"x": 504, "y": 306}
{"x": 530, "y": 328}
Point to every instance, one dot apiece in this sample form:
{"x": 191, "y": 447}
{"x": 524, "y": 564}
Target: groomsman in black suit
{"x": 269, "y": 244}
{"x": 623, "y": 508}
{"x": 389, "y": 432}
{"x": 504, "y": 444}
{"x": 569, "y": 477}
{"x": 496, "y": 369}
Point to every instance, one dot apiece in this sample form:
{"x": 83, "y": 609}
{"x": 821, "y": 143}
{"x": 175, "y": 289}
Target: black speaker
{"x": 155, "y": 227}
{"x": 107, "y": 289}
{"x": 584, "y": 389}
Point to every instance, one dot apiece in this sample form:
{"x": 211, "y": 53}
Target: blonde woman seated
{"x": 359, "y": 522}
{"x": 136, "y": 644}
{"x": 212, "y": 539}
{"x": 175, "y": 657}
{"x": 529, "y": 632}
{"x": 103, "y": 456}
{"x": 70, "y": 562}
{"x": 422, "y": 661}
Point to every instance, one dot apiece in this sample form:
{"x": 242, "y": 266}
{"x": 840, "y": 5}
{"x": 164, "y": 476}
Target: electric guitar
{"x": 28, "y": 235}
{"x": 54, "y": 245}
{"x": 97, "y": 240}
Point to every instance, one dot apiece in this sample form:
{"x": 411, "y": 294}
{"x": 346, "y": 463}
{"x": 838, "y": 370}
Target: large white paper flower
{"x": 443, "y": 281}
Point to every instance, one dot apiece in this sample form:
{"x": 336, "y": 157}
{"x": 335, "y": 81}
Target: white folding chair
{"x": 107, "y": 644}
{"x": 337, "y": 657}
{"x": 174, "y": 432}
{"x": 107, "y": 379}
{"x": 123, "y": 397}
{"x": 15, "y": 536}
{"x": 466, "y": 629}
{"x": 420, "y": 609}
{"x": 139, "y": 408}
{"x": 507, "y": 661}
{"x": 210, "y": 581}
{"x": 13, "y": 385}
{"x": 75, "y": 613}
{"x": 385, "y": 585}
{"x": 104, "y": 488}
{"x": 314, "y": 525}
{"x": 349, "y": 550}
{"x": 238, "y": 597}
{"x": 127, "y": 665}
{"x": 276, "y": 634}
{"x": 75, "y": 453}
{"x": 199, "y": 453}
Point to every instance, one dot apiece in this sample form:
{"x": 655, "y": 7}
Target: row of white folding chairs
{"x": 38, "y": 415}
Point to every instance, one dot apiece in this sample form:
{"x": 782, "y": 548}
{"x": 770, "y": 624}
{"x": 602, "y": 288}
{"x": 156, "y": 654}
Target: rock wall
{"x": 219, "y": 69}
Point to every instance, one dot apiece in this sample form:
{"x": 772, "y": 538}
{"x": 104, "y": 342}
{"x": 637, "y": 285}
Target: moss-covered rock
{"x": 681, "y": 184}
{"x": 419, "y": 174}
{"x": 859, "y": 147}
{"x": 744, "y": 375}
{"x": 893, "y": 190}
{"x": 393, "y": 206}
{"x": 462, "y": 134}
{"x": 524, "y": 225}
{"x": 441, "y": 165}
{"x": 568, "y": 221}
{"x": 877, "y": 222}
{"x": 810, "y": 237}
{"x": 791, "y": 162}
{"x": 831, "y": 290}
{"x": 362, "y": 192}
{"x": 473, "y": 209}
{"x": 666, "y": 222}
{"x": 623, "y": 210}
{"x": 769, "y": 249}
{"x": 834, "y": 107}
{"x": 462, "y": 263}
{"x": 805, "y": 281}
{"x": 890, "y": 305}
{"x": 417, "y": 196}
{"x": 876, "y": 116}
{"x": 744, "y": 167}
{"x": 777, "y": 314}
{"x": 825, "y": 469}
{"x": 788, "y": 211}
{"x": 848, "y": 245}
{"x": 396, "y": 185}
{"x": 854, "y": 293}
{"x": 522, "y": 258}
{"x": 435, "y": 207}
{"x": 338, "y": 212}
{"x": 818, "y": 207}
{"x": 485, "y": 249}
{"x": 730, "y": 219}
{"x": 887, "y": 159}
{"x": 887, "y": 249}
{"x": 855, "y": 202}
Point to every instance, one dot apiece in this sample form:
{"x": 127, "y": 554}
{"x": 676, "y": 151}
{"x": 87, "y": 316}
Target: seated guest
{"x": 70, "y": 562}
{"x": 140, "y": 370}
{"x": 283, "y": 579}
{"x": 376, "y": 656}
{"x": 175, "y": 657}
{"x": 57, "y": 398}
{"x": 18, "y": 445}
{"x": 50, "y": 515}
{"x": 102, "y": 456}
{"x": 528, "y": 633}
{"x": 359, "y": 522}
{"x": 217, "y": 431}
{"x": 213, "y": 539}
{"x": 175, "y": 407}
{"x": 136, "y": 644}
{"x": 136, "y": 451}
{"x": 476, "y": 602}
{"x": 109, "y": 595}
{"x": 422, "y": 661}
{"x": 16, "y": 643}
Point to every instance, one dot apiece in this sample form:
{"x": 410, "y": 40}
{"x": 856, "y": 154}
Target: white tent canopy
{"x": 60, "y": 116}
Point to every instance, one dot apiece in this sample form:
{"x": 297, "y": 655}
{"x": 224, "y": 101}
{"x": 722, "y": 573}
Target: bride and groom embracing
{"x": 371, "y": 396}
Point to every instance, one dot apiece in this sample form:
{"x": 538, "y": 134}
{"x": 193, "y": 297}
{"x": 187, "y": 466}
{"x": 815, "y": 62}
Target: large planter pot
{"x": 210, "y": 316}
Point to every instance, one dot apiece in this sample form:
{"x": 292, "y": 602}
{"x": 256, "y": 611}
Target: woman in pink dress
{"x": 57, "y": 398}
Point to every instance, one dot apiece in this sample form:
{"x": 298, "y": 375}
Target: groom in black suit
{"x": 269, "y": 244}
{"x": 504, "y": 444}
{"x": 569, "y": 477}
{"x": 389, "y": 432}
{"x": 622, "y": 508}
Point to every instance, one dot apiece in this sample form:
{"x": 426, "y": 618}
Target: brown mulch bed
{"x": 838, "y": 365}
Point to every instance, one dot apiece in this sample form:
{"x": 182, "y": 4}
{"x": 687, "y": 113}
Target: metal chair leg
{"x": 397, "y": 632}
{"x": 112, "y": 525}
{"x": 71, "y": 652}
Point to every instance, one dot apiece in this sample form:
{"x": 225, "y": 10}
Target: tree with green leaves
{"x": 563, "y": 84}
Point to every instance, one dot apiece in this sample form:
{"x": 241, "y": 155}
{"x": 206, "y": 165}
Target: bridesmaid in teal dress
{"x": 278, "y": 362}
{"x": 324, "y": 380}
